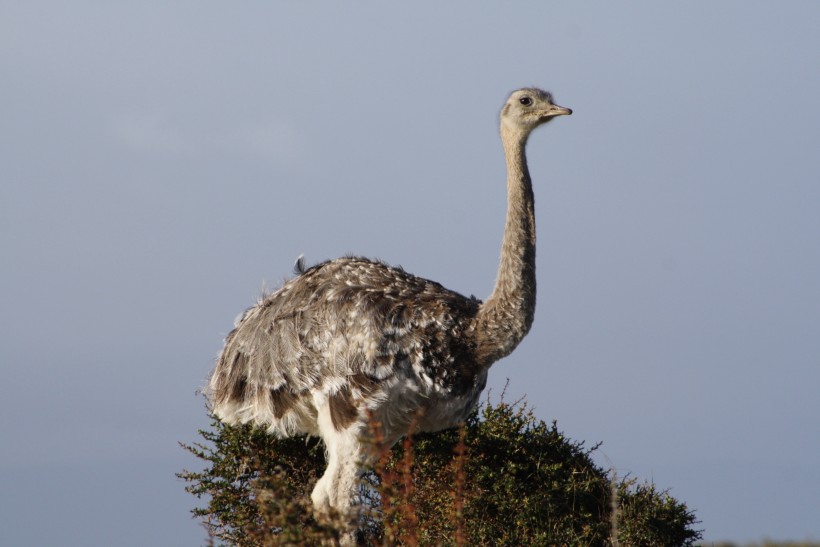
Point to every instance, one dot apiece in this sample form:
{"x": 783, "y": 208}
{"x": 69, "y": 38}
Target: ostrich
{"x": 352, "y": 340}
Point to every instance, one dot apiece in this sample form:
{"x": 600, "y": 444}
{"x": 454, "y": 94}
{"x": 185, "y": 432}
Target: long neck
{"x": 505, "y": 318}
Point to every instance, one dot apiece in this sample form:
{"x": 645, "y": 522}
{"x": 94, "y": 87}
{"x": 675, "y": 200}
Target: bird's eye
{"x": 526, "y": 101}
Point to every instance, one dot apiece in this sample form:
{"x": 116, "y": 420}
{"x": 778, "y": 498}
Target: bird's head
{"x": 528, "y": 108}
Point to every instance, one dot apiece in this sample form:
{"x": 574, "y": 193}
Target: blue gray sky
{"x": 163, "y": 163}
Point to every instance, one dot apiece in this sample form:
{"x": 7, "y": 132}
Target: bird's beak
{"x": 553, "y": 111}
{"x": 556, "y": 110}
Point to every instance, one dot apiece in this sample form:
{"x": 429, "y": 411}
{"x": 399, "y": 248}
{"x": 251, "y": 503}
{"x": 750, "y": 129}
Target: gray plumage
{"x": 352, "y": 339}
{"x": 353, "y": 328}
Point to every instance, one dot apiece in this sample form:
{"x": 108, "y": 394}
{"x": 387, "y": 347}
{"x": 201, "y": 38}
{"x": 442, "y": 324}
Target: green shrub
{"x": 505, "y": 478}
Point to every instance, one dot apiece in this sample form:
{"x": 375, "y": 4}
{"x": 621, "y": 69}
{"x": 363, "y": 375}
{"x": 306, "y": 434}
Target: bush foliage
{"x": 504, "y": 478}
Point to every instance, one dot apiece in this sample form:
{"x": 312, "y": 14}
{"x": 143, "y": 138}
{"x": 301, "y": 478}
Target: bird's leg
{"x": 338, "y": 485}
{"x": 320, "y": 496}
{"x": 334, "y": 493}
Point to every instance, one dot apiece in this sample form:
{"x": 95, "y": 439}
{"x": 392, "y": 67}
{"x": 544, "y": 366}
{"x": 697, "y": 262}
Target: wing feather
{"x": 343, "y": 327}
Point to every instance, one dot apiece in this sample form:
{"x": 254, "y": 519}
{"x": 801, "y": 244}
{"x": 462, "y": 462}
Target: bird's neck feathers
{"x": 505, "y": 318}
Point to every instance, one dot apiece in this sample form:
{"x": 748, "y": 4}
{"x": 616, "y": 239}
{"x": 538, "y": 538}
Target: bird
{"x": 352, "y": 342}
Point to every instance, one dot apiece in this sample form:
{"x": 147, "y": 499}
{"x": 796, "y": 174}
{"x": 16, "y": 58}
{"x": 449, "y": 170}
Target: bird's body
{"x": 350, "y": 341}
{"x": 354, "y": 334}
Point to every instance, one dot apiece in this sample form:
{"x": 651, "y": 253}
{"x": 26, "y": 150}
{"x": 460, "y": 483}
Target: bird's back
{"x": 355, "y": 333}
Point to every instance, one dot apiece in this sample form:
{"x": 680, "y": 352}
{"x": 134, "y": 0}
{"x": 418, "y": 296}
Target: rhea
{"x": 353, "y": 341}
